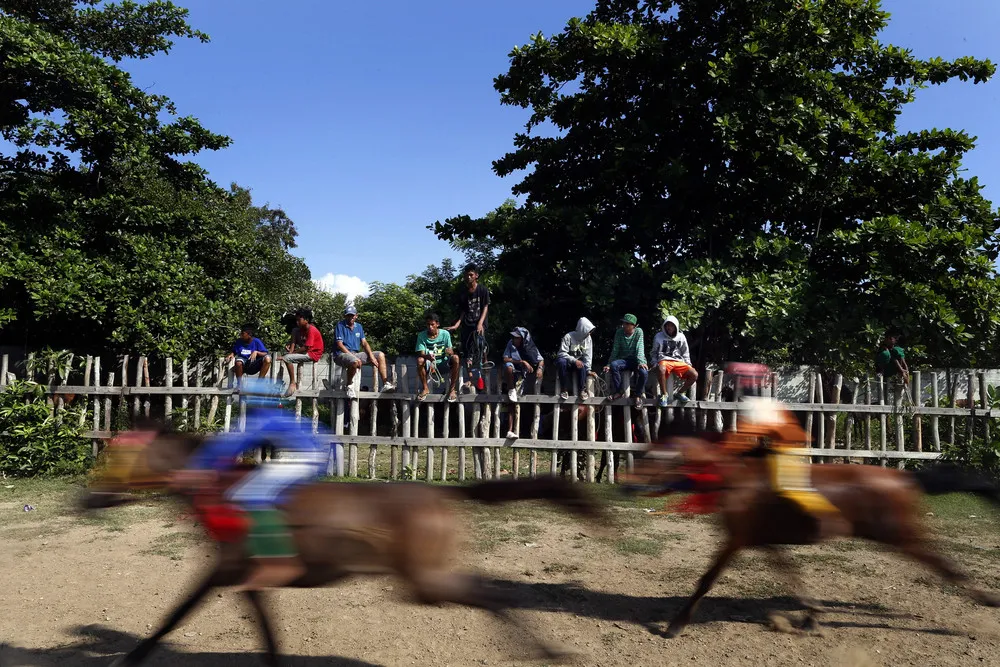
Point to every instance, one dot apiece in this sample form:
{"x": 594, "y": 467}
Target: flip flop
{"x": 422, "y": 395}
{"x": 452, "y": 396}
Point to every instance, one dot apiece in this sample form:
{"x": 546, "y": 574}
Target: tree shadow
{"x": 98, "y": 646}
{"x": 654, "y": 612}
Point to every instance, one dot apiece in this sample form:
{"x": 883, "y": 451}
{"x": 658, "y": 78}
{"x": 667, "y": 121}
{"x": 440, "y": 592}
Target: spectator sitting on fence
{"x": 520, "y": 357}
{"x": 473, "y": 306}
{"x": 671, "y": 355}
{"x": 306, "y": 346}
{"x": 352, "y": 351}
{"x": 434, "y": 347}
{"x": 251, "y": 355}
{"x": 576, "y": 352}
{"x": 628, "y": 353}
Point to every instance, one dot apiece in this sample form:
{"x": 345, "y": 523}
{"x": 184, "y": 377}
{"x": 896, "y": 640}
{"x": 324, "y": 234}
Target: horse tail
{"x": 950, "y": 478}
{"x": 571, "y": 497}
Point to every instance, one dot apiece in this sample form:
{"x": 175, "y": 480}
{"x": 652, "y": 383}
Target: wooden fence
{"x": 421, "y": 437}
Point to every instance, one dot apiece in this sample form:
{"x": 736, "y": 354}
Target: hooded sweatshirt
{"x": 528, "y": 352}
{"x": 577, "y": 344}
{"x": 670, "y": 348}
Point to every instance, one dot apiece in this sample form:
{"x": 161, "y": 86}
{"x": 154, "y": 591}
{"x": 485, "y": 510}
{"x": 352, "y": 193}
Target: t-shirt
{"x": 436, "y": 345}
{"x": 351, "y": 338}
{"x": 471, "y": 304}
{"x": 313, "y": 341}
{"x": 885, "y": 360}
{"x": 244, "y": 350}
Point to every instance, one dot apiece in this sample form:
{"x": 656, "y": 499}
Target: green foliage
{"x": 33, "y": 442}
{"x": 392, "y": 315}
{"x": 109, "y": 237}
{"x": 739, "y": 164}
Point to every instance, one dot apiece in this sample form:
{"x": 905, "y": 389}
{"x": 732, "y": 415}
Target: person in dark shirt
{"x": 890, "y": 361}
{"x": 250, "y": 353}
{"x": 473, "y": 307}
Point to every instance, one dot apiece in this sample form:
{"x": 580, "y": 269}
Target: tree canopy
{"x": 110, "y": 237}
{"x": 738, "y": 164}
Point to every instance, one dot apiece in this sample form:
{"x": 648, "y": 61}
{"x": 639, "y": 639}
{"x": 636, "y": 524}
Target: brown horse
{"x": 878, "y": 504}
{"x": 348, "y": 529}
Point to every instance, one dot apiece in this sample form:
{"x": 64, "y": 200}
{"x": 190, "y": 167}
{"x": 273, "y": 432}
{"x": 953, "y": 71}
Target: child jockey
{"x": 269, "y": 542}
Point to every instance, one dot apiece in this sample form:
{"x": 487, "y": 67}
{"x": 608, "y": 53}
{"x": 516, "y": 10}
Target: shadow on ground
{"x": 654, "y": 613}
{"x": 99, "y": 646}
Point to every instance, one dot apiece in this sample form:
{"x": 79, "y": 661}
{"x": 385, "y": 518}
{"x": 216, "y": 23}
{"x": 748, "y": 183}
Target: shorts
{"x": 251, "y": 367}
{"x": 674, "y": 367}
{"x": 298, "y": 358}
{"x": 345, "y": 359}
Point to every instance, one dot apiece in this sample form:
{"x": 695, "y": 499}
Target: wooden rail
{"x": 201, "y": 396}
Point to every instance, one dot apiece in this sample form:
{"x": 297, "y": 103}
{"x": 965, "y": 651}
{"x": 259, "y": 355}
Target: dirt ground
{"x": 78, "y": 591}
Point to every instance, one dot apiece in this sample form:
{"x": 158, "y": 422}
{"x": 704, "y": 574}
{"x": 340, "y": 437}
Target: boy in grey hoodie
{"x": 576, "y": 352}
{"x": 671, "y": 355}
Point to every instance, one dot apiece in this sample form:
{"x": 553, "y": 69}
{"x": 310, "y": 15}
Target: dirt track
{"x": 75, "y": 592}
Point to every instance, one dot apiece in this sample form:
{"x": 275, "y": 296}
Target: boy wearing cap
{"x": 250, "y": 353}
{"x": 628, "y": 353}
{"x": 351, "y": 351}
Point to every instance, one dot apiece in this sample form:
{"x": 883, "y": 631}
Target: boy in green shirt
{"x": 890, "y": 361}
{"x": 628, "y": 353}
{"x": 434, "y": 347}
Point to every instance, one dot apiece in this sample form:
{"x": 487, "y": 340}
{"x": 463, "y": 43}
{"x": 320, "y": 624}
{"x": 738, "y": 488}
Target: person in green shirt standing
{"x": 628, "y": 353}
{"x": 890, "y": 361}
{"x": 434, "y": 347}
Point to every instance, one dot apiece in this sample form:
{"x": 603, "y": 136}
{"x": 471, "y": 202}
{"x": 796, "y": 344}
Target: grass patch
{"x": 639, "y": 546}
{"x": 172, "y": 545}
{"x": 560, "y": 568}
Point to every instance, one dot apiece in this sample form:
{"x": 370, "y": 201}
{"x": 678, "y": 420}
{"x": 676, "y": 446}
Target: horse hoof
{"x": 811, "y": 626}
{"x": 988, "y": 599}
{"x": 674, "y": 630}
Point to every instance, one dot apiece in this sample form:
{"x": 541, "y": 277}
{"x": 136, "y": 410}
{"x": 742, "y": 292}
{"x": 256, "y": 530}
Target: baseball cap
{"x": 630, "y": 318}
{"x": 350, "y": 310}
{"x": 514, "y": 333}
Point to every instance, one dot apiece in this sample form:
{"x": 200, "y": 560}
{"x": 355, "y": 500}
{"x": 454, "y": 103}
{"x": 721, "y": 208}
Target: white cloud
{"x": 339, "y": 283}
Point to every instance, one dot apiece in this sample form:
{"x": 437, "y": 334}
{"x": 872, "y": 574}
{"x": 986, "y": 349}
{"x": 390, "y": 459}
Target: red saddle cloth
{"x": 224, "y": 521}
{"x": 705, "y": 499}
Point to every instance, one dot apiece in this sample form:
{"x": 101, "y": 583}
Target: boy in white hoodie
{"x": 576, "y": 352}
{"x": 671, "y": 355}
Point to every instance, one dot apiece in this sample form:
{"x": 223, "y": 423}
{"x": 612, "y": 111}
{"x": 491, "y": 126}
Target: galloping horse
{"x": 342, "y": 530}
{"x": 878, "y": 504}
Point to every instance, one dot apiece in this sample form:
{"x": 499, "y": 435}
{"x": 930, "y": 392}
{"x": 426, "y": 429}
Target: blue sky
{"x": 368, "y": 121}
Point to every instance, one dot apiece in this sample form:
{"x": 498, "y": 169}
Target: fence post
{"x": 984, "y": 402}
{"x": 97, "y": 407}
{"x": 918, "y": 400}
{"x": 935, "y": 434}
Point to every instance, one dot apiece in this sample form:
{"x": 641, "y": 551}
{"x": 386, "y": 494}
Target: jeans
{"x": 564, "y": 366}
{"x": 619, "y": 365}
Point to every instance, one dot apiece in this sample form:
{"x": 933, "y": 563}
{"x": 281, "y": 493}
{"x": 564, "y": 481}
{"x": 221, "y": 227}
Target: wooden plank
{"x": 935, "y": 426}
{"x": 553, "y": 453}
{"x": 168, "y": 381}
{"x": 627, "y": 411}
{"x": 97, "y": 406}
{"x": 429, "y": 473}
{"x": 831, "y": 419}
{"x": 868, "y": 419}
{"x": 107, "y": 403}
{"x": 138, "y": 383}
{"x": 373, "y": 415}
{"x": 971, "y": 403}
{"x": 184, "y": 397}
{"x": 217, "y": 380}
{"x": 883, "y": 423}
{"x": 918, "y": 399}
{"x": 82, "y": 418}
{"x": 849, "y": 422}
{"x": 984, "y": 401}
{"x": 811, "y": 393}
{"x": 4, "y": 366}
{"x": 461, "y": 435}
{"x": 821, "y": 414}
{"x": 146, "y": 383}
{"x": 574, "y": 435}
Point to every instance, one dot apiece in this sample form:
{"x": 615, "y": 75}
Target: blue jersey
{"x": 264, "y": 426}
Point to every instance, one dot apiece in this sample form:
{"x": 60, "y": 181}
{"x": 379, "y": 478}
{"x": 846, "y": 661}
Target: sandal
{"x": 422, "y": 395}
{"x": 452, "y": 396}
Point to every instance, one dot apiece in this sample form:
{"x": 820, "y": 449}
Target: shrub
{"x": 33, "y": 441}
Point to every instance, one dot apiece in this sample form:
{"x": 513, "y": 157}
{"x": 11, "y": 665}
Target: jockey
{"x": 761, "y": 417}
{"x": 269, "y": 541}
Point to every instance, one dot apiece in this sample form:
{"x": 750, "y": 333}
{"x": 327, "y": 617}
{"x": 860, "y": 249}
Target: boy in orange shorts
{"x": 671, "y": 355}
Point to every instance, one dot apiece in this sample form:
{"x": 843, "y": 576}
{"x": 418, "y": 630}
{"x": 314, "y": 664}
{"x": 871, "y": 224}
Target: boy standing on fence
{"x": 250, "y": 353}
{"x": 306, "y": 346}
{"x": 576, "y": 352}
{"x": 473, "y": 306}
{"x": 628, "y": 353}
{"x": 671, "y": 355}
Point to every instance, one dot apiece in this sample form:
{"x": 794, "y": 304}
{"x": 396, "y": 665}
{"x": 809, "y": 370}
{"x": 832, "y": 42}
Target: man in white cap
{"x": 351, "y": 351}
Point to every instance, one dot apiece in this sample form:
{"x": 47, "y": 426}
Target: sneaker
{"x": 512, "y": 436}
{"x": 639, "y": 402}
{"x": 512, "y": 395}
{"x": 388, "y": 386}
{"x": 351, "y": 393}
{"x": 563, "y": 395}
{"x": 584, "y": 395}
{"x": 680, "y": 398}
{"x": 664, "y": 400}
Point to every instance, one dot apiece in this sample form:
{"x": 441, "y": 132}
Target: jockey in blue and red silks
{"x": 302, "y": 459}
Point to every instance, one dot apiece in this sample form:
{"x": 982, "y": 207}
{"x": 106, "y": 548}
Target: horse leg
{"x": 140, "y": 652}
{"x": 787, "y": 568}
{"x": 257, "y": 601}
{"x": 704, "y": 585}
{"x": 470, "y": 590}
{"x": 923, "y": 553}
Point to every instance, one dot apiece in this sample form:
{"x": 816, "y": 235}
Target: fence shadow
{"x": 98, "y": 646}
{"x": 654, "y": 612}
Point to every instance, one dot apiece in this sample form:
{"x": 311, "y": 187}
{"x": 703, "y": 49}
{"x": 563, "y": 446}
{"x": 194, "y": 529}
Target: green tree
{"x": 110, "y": 240}
{"x": 739, "y": 164}
{"x": 392, "y": 315}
